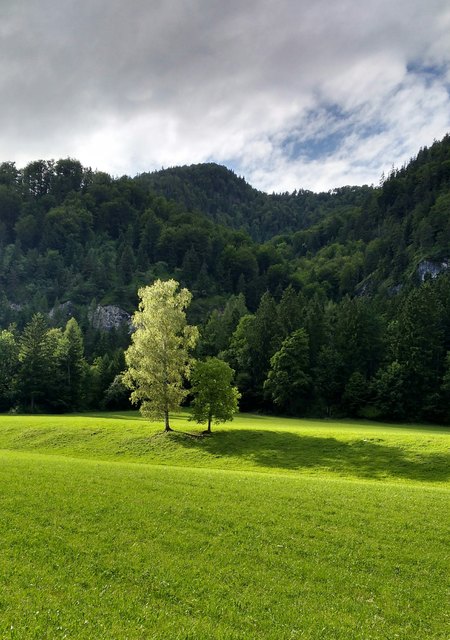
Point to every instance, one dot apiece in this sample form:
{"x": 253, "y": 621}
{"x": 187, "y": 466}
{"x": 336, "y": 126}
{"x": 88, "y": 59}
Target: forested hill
{"x": 70, "y": 234}
{"x": 228, "y": 199}
{"x": 322, "y": 303}
{"x": 210, "y": 188}
{"x": 407, "y": 196}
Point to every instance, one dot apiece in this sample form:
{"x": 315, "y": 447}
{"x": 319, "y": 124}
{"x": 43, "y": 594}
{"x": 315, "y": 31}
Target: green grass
{"x": 272, "y": 528}
{"x": 250, "y": 442}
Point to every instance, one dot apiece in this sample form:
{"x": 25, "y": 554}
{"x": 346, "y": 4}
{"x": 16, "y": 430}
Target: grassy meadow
{"x": 271, "y": 528}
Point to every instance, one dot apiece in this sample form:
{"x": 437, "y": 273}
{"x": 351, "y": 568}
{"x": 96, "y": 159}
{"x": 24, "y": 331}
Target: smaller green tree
{"x": 215, "y": 398}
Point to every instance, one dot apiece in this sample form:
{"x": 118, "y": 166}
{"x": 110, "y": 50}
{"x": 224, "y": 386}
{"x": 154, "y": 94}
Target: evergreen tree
{"x": 264, "y": 340}
{"x": 98, "y": 379}
{"x": 389, "y": 389}
{"x": 357, "y": 337}
{"x": 289, "y": 382}
{"x": 73, "y": 365}
{"x": 420, "y": 346}
{"x": 37, "y": 364}
{"x": 328, "y": 378}
{"x": 315, "y": 323}
{"x": 238, "y": 355}
{"x": 356, "y": 394}
{"x": 9, "y": 352}
{"x": 126, "y": 264}
{"x": 219, "y": 328}
{"x": 290, "y": 311}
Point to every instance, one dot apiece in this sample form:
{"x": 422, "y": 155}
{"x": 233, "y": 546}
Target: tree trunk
{"x": 166, "y": 422}
{"x": 208, "y": 430}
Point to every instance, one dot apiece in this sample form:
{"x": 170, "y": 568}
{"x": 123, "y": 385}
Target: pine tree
{"x": 37, "y": 363}
{"x": 289, "y": 380}
{"x": 8, "y": 368}
{"x": 73, "y": 364}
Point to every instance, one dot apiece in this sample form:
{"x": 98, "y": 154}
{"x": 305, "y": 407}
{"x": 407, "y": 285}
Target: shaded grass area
{"x": 92, "y": 549}
{"x": 350, "y": 450}
{"x": 366, "y": 457}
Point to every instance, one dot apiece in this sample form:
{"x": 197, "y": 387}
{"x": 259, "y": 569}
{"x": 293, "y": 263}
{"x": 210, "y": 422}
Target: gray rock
{"x": 429, "y": 267}
{"x": 109, "y": 317}
{"x": 63, "y": 310}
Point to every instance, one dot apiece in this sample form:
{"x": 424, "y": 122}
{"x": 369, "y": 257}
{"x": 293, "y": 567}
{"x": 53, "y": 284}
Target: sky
{"x": 290, "y": 94}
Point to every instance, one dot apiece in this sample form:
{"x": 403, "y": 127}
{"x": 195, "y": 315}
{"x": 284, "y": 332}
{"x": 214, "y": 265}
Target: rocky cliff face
{"x": 109, "y": 317}
{"x": 431, "y": 268}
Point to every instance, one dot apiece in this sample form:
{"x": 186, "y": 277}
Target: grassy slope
{"x": 250, "y": 442}
{"x": 309, "y": 549}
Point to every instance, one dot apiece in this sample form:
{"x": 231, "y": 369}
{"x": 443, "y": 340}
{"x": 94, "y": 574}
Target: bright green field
{"x": 272, "y": 528}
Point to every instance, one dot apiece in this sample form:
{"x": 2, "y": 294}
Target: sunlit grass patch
{"x": 268, "y": 529}
{"x": 94, "y": 549}
{"x": 344, "y": 449}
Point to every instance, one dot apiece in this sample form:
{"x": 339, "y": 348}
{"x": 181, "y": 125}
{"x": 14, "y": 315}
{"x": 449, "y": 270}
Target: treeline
{"x": 351, "y": 240}
{"x": 302, "y": 357}
{"x": 404, "y": 216}
{"x": 378, "y": 245}
{"x": 329, "y": 285}
{"x": 44, "y": 369}
{"x": 358, "y": 357}
{"x": 229, "y": 200}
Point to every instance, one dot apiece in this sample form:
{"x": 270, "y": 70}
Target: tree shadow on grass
{"x": 364, "y": 458}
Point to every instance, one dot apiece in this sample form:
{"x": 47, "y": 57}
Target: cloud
{"x": 291, "y": 94}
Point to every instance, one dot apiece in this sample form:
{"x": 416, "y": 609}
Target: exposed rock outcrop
{"x": 431, "y": 268}
{"x": 65, "y": 310}
{"x": 109, "y": 317}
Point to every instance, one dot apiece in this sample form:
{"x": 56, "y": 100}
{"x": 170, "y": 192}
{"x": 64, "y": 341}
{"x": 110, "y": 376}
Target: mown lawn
{"x": 271, "y": 528}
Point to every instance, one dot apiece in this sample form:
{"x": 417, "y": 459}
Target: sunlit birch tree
{"x": 158, "y": 358}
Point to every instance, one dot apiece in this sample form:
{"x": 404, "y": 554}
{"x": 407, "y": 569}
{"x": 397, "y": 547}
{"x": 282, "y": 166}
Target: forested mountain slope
{"x": 67, "y": 233}
{"x": 353, "y": 239}
{"x": 228, "y": 199}
{"x": 344, "y": 284}
{"x": 401, "y": 233}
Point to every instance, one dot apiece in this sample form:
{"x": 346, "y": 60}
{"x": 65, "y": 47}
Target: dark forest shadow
{"x": 364, "y": 458}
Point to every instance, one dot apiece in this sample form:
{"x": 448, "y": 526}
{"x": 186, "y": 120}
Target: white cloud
{"x": 292, "y": 94}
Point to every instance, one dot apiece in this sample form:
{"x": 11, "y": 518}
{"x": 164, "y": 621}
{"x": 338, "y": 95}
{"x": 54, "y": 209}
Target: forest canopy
{"x": 345, "y": 293}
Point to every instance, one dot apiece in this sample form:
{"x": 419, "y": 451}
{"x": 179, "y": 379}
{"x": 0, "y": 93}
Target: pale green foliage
{"x": 158, "y": 357}
{"x": 214, "y": 396}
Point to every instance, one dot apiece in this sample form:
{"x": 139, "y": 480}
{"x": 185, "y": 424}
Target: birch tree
{"x": 158, "y": 358}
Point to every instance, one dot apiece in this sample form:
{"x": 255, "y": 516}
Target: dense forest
{"x": 335, "y": 303}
